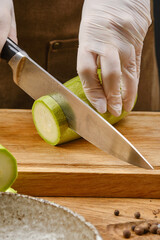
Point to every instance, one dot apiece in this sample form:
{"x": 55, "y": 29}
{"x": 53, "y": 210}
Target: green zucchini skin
{"x": 11, "y": 190}
{"x": 65, "y": 133}
{"x": 11, "y": 163}
{"x": 75, "y": 86}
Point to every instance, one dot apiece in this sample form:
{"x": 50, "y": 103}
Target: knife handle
{"x": 9, "y": 49}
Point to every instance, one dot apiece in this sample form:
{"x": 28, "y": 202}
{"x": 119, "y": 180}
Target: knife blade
{"x": 84, "y": 120}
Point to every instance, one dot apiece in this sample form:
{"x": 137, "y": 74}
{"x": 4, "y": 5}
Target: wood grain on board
{"x": 78, "y": 168}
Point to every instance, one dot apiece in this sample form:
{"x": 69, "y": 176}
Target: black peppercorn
{"x": 139, "y": 230}
{"x": 137, "y": 215}
{"x": 116, "y": 212}
{"x": 146, "y": 227}
{"x": 153, "y": 228}
{"x": 133, "y": 227}
{"x": 126, "y": 233}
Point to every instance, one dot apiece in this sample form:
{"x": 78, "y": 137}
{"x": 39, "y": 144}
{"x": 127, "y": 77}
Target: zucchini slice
{"x": 51, "y": 122}
{"x": 11, "y": 190}
{"x": 8, "y": 169}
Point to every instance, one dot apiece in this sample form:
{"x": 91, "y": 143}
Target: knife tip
{"x": 147, "y": 165}
{"x": 151, "y": 167}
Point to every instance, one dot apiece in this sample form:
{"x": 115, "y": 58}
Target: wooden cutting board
{"x": 78, "y": 168}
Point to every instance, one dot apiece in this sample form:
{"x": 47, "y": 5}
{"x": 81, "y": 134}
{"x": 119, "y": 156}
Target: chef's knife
{"x": 36, "y": 82}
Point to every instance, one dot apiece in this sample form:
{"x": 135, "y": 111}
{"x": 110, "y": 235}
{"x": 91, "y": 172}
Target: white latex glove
{"x": 112, "y": 31}
{"x": 7, "y": 22}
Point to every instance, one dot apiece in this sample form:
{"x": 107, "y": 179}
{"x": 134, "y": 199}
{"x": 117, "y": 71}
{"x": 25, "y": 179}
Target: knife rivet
{"x": 56, "y": 45}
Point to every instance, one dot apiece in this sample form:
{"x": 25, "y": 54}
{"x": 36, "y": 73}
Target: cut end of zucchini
{"x": 8, "y": 169}
{"x": 45, "y": 123}
{"x": 49, "y": 119}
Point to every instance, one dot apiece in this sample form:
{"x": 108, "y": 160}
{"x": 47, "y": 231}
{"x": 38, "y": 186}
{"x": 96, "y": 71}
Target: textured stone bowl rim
{"x": 46, "y": 202}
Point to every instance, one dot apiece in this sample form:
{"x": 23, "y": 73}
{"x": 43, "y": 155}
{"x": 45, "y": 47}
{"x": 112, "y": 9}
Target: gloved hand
{"x": 7, "y": 22}
{"x": 112, "y": 31}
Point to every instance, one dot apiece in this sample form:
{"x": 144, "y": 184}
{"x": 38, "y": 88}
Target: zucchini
{"x": 50, "y": 120}
{"x": 8, "y": 169}
{"x": 11, "y": 190}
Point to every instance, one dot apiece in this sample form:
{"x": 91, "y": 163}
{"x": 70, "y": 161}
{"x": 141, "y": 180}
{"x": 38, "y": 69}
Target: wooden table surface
{"x": 100, "y": 212}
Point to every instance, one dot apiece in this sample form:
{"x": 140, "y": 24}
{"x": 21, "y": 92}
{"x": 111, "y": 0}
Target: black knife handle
{"x": 9, "y": 49}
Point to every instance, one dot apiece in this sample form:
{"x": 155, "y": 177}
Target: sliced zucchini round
{"x": 51, "y": 122}
{"x": 11, "y": 190}
{"x": 8, "y": 169}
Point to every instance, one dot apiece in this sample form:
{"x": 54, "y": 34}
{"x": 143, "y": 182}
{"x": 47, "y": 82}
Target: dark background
{"x": 157, "y": 31}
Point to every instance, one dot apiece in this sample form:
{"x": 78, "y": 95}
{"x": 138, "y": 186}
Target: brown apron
{"x": 48, "y": 32}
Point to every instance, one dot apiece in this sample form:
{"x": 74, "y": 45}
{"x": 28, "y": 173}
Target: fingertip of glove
{"x": 101, "y": 105}
{"x": 115, "y": 110}
{"x": 128, "y": 106}
{"x": 117, "y": 113}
